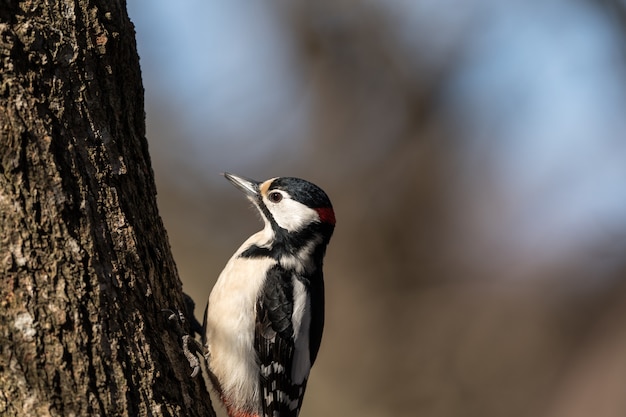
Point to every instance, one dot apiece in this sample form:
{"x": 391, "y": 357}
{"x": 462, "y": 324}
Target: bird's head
{"x": 289, "y": 205}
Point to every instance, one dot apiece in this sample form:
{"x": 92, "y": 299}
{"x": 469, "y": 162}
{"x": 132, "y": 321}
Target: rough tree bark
{"x": 85, "y": 265}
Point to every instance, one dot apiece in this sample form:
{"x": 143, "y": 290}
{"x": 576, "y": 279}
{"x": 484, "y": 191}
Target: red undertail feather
{"x": 235, "y": 413}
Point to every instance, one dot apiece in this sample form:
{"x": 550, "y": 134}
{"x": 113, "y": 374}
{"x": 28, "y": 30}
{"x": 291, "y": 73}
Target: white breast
{"x": 230, "y": 326}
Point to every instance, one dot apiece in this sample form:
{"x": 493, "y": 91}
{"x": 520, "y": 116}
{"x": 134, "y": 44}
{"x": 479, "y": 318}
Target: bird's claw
{"x": 188, "y": 351}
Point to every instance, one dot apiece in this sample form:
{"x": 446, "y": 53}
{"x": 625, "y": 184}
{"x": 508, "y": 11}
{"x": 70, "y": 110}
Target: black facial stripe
{"x": 286, "y": 243}
{"x": 255, "y": 251}
{"x": 268, "y": 215}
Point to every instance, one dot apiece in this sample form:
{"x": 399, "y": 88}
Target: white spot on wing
{"x": 273, "y": 368}
{"x": 301, "y": 319}
{"x": 283, "y": 398}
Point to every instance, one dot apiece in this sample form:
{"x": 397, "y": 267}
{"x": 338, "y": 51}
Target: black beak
{"x": 248, "y": 186}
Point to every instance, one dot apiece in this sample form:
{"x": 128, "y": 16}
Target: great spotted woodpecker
{"x": 265, "y": 315}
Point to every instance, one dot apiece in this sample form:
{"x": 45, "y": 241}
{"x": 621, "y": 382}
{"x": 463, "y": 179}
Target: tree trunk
{"x": 85, "y": 265}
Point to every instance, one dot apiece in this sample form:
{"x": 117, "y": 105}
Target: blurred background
{"x": 475, "y": 153}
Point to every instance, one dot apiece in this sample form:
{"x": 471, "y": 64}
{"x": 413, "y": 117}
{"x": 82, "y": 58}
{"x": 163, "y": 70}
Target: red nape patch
{"x": 327, "y": 215}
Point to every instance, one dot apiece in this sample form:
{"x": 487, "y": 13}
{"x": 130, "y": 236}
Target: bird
{"x": 264, "y": 320}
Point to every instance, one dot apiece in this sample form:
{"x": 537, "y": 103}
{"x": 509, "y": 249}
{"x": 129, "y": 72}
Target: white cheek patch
{"x": 292, "y": 215}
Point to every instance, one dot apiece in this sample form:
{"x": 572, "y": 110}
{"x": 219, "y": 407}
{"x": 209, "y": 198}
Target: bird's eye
{"x": 275, "y": 197}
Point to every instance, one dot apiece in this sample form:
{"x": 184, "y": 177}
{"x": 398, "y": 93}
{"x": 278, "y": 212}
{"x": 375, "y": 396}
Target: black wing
{"x": 316, "y": 290}
{"x": 274, "y": 343}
